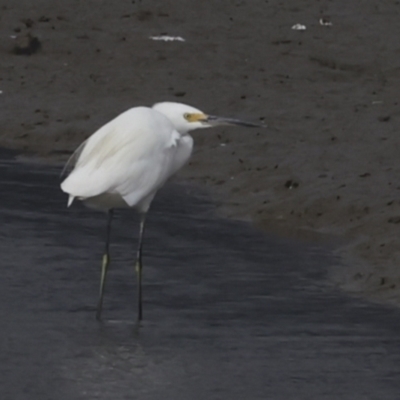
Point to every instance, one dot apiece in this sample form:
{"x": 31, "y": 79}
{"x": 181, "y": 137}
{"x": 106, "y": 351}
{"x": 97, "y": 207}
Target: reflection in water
{"x": 229, "y": 313}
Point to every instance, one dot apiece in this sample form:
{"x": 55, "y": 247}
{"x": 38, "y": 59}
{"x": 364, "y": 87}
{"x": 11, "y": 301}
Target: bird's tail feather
{"x": 70, "y": 200}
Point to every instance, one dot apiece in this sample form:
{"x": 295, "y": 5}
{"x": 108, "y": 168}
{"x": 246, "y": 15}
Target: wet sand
{"x": 328, "y": 162}
{"x": 229, "y": 312}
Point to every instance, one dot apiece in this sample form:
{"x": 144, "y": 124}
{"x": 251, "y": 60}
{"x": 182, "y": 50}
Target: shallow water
{"x": 229, "y": 312}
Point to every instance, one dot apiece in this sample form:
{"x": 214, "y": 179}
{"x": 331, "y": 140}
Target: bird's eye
{"x": 186, "y": 116}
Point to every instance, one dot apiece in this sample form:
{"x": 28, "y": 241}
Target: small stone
{"x": 26, "y": 45}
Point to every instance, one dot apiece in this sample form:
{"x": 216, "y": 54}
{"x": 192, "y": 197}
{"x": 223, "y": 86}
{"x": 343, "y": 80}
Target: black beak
{"x": 213, "y": 120}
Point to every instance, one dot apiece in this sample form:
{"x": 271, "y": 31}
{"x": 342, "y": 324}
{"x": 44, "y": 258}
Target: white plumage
{"x": 127, "y": 160}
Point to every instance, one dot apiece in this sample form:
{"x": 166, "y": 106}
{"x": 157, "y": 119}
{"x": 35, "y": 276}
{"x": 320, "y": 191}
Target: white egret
{"x": 125, "y": 162}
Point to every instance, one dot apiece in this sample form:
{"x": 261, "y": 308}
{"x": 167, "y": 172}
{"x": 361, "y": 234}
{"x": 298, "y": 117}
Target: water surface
{"x": 229, "y": 312}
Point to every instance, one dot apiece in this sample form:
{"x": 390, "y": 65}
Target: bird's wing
{"x": 130, "y": 155}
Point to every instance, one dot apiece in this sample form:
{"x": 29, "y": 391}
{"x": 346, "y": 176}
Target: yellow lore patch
{"x": 195, "y": 117}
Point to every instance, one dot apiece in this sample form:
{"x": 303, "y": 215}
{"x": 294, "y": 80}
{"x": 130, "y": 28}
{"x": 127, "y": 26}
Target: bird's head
{"x": 187, "y": 118}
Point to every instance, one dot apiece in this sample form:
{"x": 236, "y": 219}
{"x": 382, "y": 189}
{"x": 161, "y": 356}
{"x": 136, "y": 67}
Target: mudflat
{"x": 327, "y": 164}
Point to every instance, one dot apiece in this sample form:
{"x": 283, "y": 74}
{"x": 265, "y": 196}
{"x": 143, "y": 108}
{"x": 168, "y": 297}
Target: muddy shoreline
{"x": 327, "y": 163}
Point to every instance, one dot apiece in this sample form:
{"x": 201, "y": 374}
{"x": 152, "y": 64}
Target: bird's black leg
{"x": 104, "y": 266}
{"x": 138, "y": 266}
